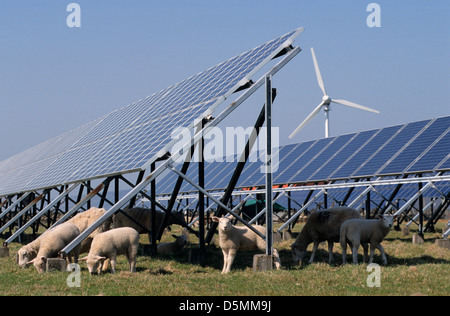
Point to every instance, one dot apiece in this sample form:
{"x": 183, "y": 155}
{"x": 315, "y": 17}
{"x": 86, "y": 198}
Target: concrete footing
{"x": 443, "y": 243}
{"x": 262, "y": 263}
{"x": 417, "y": 240}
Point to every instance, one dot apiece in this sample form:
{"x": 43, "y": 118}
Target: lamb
{"x": 143, "y": 216}
{"x": 323, "y": 225}
{"x": 28, "y": 252}
{"x": 172, "y": 247}
{"x": 107, "y": 245}
{"x": 373, "y": 231}
{"x": 52, "y": 242}
{"x": 84, "y": 220}
{"x": 234, "y": 238}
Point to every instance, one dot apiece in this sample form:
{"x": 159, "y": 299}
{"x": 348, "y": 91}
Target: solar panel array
{"x": 130, "y": 138}
{"x": 418, "y": 147}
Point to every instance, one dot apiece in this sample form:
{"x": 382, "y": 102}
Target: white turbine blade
{"x": 354, "y": 105}
{"x": 306, "y": 121}
{"x": 318, "y": 74}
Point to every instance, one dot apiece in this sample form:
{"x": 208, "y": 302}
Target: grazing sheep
{"x": 373, "y": 231}
{"x": 86, "y": 219}
{"x": 143, "y": 216}
{"x": 323, "y": 225}
{"x": 234, "y": 238}
{"x": 28, "y": 252}
{"x": 110, "y": 244}
{"x": 53, "y": 241}
{"x": 172, "y": 247}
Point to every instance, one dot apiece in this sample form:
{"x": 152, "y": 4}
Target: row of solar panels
{"x": 130, "y": 138}
{"x": 418, "y": 147}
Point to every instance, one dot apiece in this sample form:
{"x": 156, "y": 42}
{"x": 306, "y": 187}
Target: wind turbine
{"x": 326, "y": 102}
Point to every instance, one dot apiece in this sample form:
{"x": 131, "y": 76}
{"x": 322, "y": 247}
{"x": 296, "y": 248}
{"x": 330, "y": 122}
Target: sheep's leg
{"x": 113, "y": 264}
{"x": 383, "y": 254}
{"x": 131, "y": 256}
{"x": 105, "y": 265}
{"x": 225, "y": 260}
{"x": 230, "y": 259}
{"x": 366, "y": 251}
{"x": 316, "y": 245}
{"x": 330, "y": 252}
{"x": 372, "y": 252}
{"x": 344, "y": 252}
{"x": 355, "y": 248}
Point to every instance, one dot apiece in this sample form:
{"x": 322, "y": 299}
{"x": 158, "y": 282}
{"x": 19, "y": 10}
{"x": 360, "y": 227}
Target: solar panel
{"x": 301, "y": 156}
{"x": 318, "y": 161}
{"x": 18, "y": 170}
{"x": 417, "y": 146}
{"x": 389, "y": 150}
{"x": 129, "y": 139}
{"x": 252, "y": 175}
{"x": 445, "y": 166}
{"x": 347, "y": 151}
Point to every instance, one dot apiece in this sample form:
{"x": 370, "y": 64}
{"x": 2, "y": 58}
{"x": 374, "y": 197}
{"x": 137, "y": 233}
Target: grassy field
{"x": 412, "y": 270}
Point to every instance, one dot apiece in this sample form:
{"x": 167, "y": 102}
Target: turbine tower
{"x": 326, "y": 103}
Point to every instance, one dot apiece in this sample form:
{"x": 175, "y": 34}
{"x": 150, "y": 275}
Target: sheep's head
{"x": 94, "y": 263}
{"x": 298, "y": 253}
{"x": 39, "y": 263}
{"x": 25, "y": 254}
{"x": 180, "y": 240}
{"x": 224, "y": 223}
{"x": 388, "y": 220}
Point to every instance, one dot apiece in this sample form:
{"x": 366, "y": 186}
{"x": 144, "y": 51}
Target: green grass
{"x": 412, "y": 270}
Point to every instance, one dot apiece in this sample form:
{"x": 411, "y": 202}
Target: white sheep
{"x": 110, "y": 244}
{"x": 373, "y": 231}
{"x": 28, "y": 252}
{"x": 172, "y": 247}
{"x": 234, "y": 238}
{"x": 53, "y": 241}
{"x": 323, "y": 225}
{"x": 84, "y": 220}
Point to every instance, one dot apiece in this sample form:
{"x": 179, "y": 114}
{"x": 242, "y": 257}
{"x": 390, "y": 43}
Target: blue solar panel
{"x": 252, "y": 174}
{"x": 347, "y": 151}
{"x": 130, "y": 138}
{"x": 417, "y": 146}
{"x": 355, "y": 162}
{"x": 17, "y": 171}
{"x": 433, "y": 157}
{"x": 301, "y": 157}
{"x": 445, "y": 166}
{"x": 318, "y": 161}
{"x": 371, "y": 167}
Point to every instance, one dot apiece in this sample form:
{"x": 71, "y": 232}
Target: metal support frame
{"x": 40, "y": 214}
{"x": 168, "y": 164}
{"x": 268, "y": 169}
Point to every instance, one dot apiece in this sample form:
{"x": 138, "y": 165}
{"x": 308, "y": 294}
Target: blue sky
{"x": 54, "y": 78}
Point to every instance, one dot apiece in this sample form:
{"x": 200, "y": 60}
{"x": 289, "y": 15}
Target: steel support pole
{"x": 269, "y": 180}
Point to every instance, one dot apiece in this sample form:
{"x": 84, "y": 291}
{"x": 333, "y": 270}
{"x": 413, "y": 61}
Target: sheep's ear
{"x": 83, "y": 259}
{"x": 100, "y": 258}
{"x": 216, "y": 219}
{"x": 31, "y": 262}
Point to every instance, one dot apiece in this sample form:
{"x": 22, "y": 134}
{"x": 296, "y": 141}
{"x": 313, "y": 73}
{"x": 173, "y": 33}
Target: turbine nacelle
{"x": 326, "y": 102}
